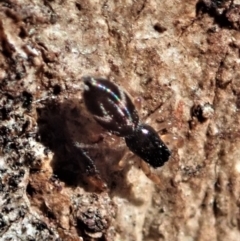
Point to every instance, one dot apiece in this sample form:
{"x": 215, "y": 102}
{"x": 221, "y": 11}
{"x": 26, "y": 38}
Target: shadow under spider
{"x": 61, "y": 125}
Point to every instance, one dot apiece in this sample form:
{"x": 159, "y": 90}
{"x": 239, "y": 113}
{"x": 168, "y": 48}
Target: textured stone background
{"x": 181, "y": 58}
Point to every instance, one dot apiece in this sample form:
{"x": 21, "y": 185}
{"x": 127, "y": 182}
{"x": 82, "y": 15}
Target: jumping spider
{"x": 113, "y": 109}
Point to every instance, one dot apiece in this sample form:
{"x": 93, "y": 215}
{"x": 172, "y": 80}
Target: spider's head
{"x": 146, "y": 143}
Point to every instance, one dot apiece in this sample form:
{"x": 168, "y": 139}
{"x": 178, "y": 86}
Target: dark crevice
{"x": 217, "y": 10}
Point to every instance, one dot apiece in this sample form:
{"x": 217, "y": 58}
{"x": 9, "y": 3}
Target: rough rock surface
{"x": 181, "y": 58}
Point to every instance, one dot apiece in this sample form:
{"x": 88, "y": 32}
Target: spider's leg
{"x": 171, "y": 140}
{"x": 93, "y": 176}
{"x": 126, "y": 157}
{"x": 85, "y": 146}
{"x": 147, "y": 171}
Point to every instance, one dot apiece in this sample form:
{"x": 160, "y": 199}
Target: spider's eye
{"x": 110, "y": 105}
{"x": 146, "y": 143}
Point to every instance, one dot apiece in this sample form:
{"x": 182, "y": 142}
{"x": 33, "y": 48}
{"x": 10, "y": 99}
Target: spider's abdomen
{"x": 110, "y": 105}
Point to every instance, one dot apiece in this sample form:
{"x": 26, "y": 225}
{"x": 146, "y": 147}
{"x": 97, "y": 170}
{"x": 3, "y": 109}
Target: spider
{"x": 113, "y": 109}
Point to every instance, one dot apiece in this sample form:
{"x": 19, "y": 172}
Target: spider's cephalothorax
{"x": 113, "y": 109}
{"x": 146, "y": 143}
